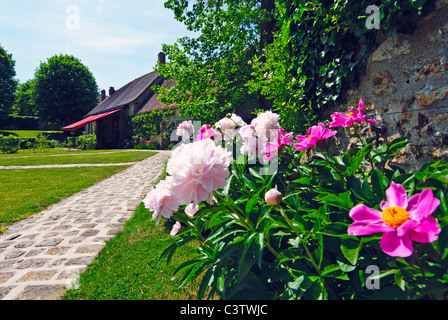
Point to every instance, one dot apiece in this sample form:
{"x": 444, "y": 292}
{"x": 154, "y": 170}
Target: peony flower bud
{"x": 191, "y": 210}
{"x": 176, "y": 228}
{"x": 273, "y": 197}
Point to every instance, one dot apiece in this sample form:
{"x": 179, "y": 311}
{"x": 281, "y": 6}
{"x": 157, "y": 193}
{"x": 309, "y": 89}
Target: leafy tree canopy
{"x": 8, "y": 85}
{"x": 297, "y": 57}
{"x": 24, "y": 104}
{"x": 65, "y": 90}
{"x": 211, "y": 69}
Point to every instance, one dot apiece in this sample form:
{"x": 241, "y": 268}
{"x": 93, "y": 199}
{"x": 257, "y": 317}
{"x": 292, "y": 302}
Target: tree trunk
{"x": 267, "y": 26}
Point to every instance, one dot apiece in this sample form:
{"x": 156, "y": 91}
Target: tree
{"x": 320, "y": 52}
{"x": 211, "y": 71}
{"x": 24, "y": 104}
{"x": 65, "y": 90}
{"x": 295, "y": 57}
{"x": 8, "y": 85}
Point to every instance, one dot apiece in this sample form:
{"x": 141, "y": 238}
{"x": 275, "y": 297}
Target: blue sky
{"x": 117, "y": 40}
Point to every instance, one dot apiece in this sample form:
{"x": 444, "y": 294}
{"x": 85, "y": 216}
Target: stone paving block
{"x": 5, "y": 276}
{"x": 42, "y": 292}
{"x": 38, "y": 275}
{"x": 4, "y": 291}
{"x": 43, "y": 255}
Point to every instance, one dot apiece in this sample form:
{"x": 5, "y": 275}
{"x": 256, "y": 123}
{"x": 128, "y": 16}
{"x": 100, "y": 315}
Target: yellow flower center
{"x": 395, "y": 216}
{"x": 310, "y": 137}
{"x": 350, "y": 114}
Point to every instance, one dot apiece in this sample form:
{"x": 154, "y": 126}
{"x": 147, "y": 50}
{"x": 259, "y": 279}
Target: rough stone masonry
{"x": 405, "y": 89}
{"x": 42, "y": 256}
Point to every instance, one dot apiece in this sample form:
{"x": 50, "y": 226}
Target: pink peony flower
{"x": 207, "y": 132}
{"x": 315, "y": 134}
{"x": 272, "y": 148}
{"x": 273, "y": 197}
{"x": 191, "y": 210}
{"x": 185, "y": 130}
{"x": 401, "y": 220}
{"x": 346, "y": 120}
{"x": 161, "y": 200}
{"x": 197, "y": 169}
{"x": 176, "y": 228}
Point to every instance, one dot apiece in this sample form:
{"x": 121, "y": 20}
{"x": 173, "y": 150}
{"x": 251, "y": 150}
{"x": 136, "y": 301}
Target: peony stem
{"x": 245, "y": 224}
{"x": 310, "y": 256}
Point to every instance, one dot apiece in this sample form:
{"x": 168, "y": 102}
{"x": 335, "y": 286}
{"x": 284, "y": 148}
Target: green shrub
{"x": 148, "y": 124}
{"x": 86, "y": 142}
{"x": 142, "y": 144}
{"x": 343, "y": 226}
{"x": 9, "y": 144}
{"x": 321, "y": 50}
{"x": 28, "y": 143}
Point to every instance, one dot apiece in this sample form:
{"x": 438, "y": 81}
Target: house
{"x": 108, "y": 120}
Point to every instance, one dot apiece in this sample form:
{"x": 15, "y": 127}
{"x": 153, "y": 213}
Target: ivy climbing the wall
{"x": 321, "y": 50}
{"x": 297, "y": 57}
{"x": 147, "y": 124}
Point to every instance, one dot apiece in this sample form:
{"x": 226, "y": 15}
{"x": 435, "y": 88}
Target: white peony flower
{"x": 185, "y": 130}
{"x": 161, "y": 200}
{"x": 197, "y": 169}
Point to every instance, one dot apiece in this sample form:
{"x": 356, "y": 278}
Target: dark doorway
{"x": 108, "y": 131}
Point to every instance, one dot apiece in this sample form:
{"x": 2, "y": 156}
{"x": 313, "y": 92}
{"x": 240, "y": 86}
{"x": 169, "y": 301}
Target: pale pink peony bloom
{"x": 176, "y": 228}
{"x": 249, "y": 146}
{"x": 191, "y": 210}
{"x": 198, "y": 169}
{"x": 346, "y": 120}
{"x": 225, "y": 124}
{"x": 273, "y": 197}
{"x": 161, "y": 200}
{"x": 247, "y": 132}
{"x": 238, "y": 120}
{"x": 315, "y": 134}
{"x": 229, "y": 125}
{"x": 271, "y": 149}
{"x": 401, "y": 220}
{"x": 207, "y": 132}
{"x": 185, "y": 130}
{"x": 264, "y": 123}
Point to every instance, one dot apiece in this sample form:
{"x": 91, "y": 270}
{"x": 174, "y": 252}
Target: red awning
{"x": 83, "y": 122}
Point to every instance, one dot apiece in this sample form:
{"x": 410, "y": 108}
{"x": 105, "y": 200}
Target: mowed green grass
{"x": 128, "y": 267}
{"x": 51, "y": 152}
{"x": 26, "y": 133}
{"x": 26, "y": 192}
{"x": 43, "y": 158}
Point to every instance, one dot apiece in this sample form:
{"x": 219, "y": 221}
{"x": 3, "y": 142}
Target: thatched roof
{"x": 153, "y": 103}
{"x": 125, "y": 95}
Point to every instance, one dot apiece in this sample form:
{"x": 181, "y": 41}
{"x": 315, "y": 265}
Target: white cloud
{"x": 117, "y": 40}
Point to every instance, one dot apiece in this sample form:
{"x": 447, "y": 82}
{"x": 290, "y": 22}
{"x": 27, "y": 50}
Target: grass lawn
{"x": 74, "y": 157}
{"x": 128, "y": 267}
{"x": 26, "y": 192}
{"x": 26, "y": 133}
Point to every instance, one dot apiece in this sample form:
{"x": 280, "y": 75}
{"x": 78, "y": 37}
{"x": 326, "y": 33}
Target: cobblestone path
{"x": 42, "y": 256}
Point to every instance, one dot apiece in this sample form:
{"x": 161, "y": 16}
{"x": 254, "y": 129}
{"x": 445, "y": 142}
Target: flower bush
{"x": 9, "y": 144}
{"x": 86, "y": 142}
{"x": 344, "y": 226}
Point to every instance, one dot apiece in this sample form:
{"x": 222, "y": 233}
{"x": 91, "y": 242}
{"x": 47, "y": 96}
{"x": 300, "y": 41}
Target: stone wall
{"x": 405, "y": 89}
